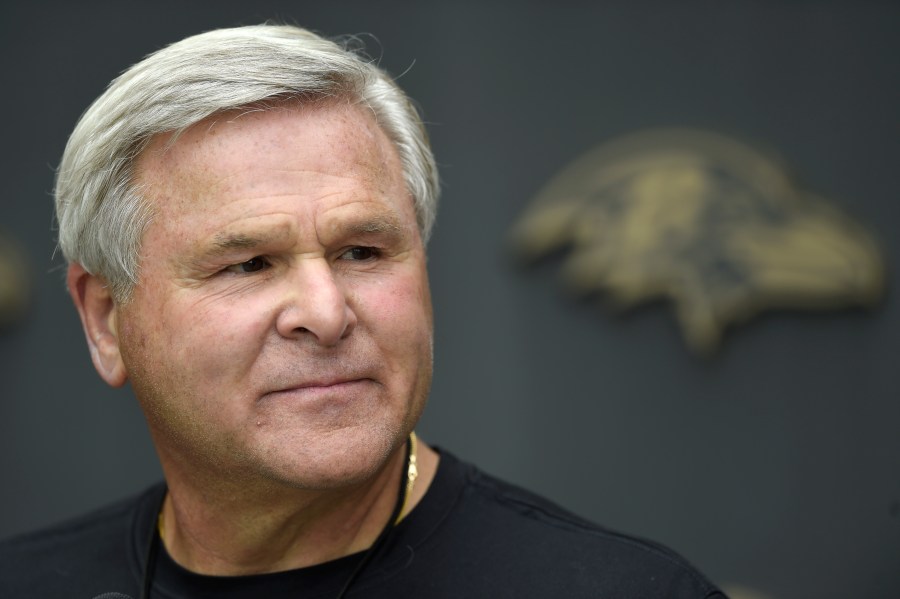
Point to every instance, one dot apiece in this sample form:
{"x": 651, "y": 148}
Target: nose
{"x": 316, "y": 306}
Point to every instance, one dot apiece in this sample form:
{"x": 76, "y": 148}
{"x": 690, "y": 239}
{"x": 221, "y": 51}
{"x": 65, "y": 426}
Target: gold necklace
{"x": 412, "y": 473}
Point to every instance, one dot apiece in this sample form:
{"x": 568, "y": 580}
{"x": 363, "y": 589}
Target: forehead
{"x": 313, "y": 171}
{"x": 266, "y": 152}
{"x": 338, "y": 138}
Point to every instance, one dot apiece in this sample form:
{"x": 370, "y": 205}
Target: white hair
{"x": 100, "y": 211}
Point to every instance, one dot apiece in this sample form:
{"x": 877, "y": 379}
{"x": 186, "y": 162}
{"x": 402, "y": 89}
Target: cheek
{"x": 221, "y": 340}
{"x": 398, "y": 314}
{"x": 194, "y": 344}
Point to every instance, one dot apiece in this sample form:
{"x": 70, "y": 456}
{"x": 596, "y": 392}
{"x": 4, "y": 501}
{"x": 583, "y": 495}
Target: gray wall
{"x": 775, "y": 465}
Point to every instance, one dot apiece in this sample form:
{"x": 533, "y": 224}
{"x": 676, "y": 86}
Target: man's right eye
{"x": 252, "y": 265}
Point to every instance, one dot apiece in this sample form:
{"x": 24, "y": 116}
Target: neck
{"x": 260, "y": 532}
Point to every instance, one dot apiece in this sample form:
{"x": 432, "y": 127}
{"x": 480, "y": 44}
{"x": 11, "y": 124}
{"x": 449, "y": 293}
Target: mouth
{"x": 332, "y": 390}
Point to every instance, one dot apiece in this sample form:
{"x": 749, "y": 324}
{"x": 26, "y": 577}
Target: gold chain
{"x": 412, "y": 473}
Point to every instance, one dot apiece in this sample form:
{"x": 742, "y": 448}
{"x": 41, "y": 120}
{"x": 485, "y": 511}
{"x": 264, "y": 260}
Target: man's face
{"x": 281, "y": 327}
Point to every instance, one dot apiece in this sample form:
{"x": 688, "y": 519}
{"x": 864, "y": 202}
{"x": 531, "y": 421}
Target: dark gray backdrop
{"x": 775, "y": 465}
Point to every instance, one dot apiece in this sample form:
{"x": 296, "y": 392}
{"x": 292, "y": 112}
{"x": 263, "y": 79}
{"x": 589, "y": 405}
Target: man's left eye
{"x": 360, "y": 253}
{"x": 251, "y": 265}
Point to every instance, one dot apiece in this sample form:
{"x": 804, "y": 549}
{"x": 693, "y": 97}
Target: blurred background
{"x": 773, "y": 464}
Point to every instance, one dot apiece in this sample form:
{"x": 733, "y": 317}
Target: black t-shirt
{"x": 471, "y": 536}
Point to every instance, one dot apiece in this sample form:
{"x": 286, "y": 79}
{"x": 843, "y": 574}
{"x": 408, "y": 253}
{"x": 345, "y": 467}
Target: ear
{"x": 98, "y": 314}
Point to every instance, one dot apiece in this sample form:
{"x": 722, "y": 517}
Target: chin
{"x": 343, "y": 460}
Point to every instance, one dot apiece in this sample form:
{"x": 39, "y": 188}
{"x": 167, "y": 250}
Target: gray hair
{"x": 101, "y": 213}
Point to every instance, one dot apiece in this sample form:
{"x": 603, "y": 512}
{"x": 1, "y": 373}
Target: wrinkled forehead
{"x": 290, "y": 158}
{"x": 251, "y": 136}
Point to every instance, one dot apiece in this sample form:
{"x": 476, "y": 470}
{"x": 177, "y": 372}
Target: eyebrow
{"x": 224, "y": 242}
{"x": 382, "y": 223}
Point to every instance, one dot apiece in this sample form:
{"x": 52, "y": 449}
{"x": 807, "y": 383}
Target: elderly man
{"x": 245, "y": 216}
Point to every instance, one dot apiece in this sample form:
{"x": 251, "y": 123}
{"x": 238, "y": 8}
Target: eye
{"x": 360, "y": 253}
{"x": 252, "y": 265}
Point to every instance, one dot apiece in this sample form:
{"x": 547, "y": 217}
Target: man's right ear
{"x": 98, "y": 314}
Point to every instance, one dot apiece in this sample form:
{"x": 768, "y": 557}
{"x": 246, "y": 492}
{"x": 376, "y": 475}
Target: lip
{"x": 333, "y": 389}
{"x": 325, "y": 383}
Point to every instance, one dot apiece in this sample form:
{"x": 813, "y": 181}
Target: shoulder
{"x": 536, "y": 541}
{"x": 79, "y": 557}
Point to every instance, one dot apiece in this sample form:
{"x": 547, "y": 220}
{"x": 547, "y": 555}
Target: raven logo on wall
{"x": 705, "y": 221}
{"x": 13, "y": 282}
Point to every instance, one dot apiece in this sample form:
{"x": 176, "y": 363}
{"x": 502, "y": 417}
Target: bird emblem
{"x": 702, "y": 220}
{"x": 14, "y": 282}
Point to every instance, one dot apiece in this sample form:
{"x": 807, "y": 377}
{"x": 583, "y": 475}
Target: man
{"x": 245, "y": 216}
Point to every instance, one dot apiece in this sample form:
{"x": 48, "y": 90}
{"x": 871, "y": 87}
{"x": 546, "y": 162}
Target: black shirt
{"x": 471, "y": 536}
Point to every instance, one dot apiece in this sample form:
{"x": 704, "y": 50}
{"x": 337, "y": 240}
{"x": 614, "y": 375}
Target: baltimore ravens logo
{"x": 700, "y": 219}
{"x": 13, "y": 282}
